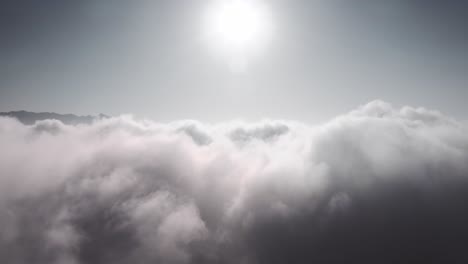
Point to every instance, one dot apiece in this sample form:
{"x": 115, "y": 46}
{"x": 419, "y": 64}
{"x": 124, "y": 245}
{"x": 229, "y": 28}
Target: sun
{"x": 238, "y": 28}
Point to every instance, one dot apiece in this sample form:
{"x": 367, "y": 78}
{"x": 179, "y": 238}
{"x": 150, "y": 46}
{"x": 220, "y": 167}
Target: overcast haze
{"x": 148, "y": 58}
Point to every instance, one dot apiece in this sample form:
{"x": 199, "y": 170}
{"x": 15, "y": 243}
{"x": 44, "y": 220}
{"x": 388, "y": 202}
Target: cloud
{"x": 376, "y": 185}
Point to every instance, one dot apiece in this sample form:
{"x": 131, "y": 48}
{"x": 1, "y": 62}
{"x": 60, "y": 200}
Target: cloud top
{"x": 376, "y": 185}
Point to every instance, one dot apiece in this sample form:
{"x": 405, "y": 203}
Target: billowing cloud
{"x": 376, "y": 185}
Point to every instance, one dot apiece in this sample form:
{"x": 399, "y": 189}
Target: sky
{"x": 236, "y": 132}
{"x": 150, "y": 59}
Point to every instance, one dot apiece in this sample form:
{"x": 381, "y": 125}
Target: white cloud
{"x": 126, "y": 191}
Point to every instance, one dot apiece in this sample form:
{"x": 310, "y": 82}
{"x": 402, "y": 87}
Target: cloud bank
{"x": 376, "y": 185}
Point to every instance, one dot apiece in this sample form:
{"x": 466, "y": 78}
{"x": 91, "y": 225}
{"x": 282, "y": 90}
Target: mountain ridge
{"x": 29, "y": 118}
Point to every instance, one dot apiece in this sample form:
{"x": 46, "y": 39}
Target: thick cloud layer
{"x": 377, "y": 185}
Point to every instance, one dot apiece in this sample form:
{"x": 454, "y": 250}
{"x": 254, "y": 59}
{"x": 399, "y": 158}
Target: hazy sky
{"x": 372, "y": 183}
{"x": 149, "y": 58}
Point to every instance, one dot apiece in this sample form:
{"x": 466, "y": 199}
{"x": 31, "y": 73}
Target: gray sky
{"x": 148, "y": 58}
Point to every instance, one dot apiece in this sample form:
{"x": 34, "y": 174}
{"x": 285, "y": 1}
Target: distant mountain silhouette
{"x": 29, "y": 118}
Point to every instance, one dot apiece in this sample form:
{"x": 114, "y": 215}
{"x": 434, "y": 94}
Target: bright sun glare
{"x": 238, "y": 28}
